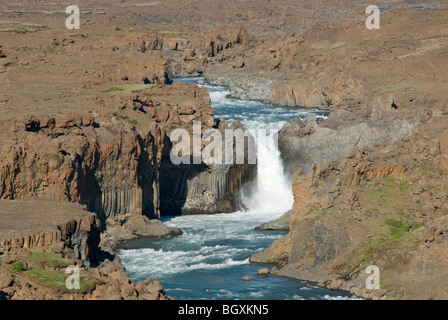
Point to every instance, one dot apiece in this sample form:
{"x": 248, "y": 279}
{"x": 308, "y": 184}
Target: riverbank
{"x": 96, "y": 137}
{"x": 210, "y": 259}
{"x": 43, "y": 242}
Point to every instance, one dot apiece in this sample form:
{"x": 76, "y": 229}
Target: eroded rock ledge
{"x": 40, "y": 238}
{"x": 117, "y": 165}
{"x": 118, "y": 162}
{"x": 383, "y": 206}
{"x": 96, "y": 134}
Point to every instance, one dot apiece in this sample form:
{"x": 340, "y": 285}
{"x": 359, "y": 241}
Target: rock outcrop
{"x": 49, "y": 225}
{"x": 109, "y": 152}
{"x": 336, "y": 67}
{"x": 86, "y": 118}
{"x": 118, "y": 163}
{"x": 304, "y": 143}
{"x": 298, "y": 95}
{"x": 281, "y": 223}
{"x": 130, "y": 226}
{"x": 40, "y": 239}
{"x": 383, "y": 206}
{"x": 189, "y": 54}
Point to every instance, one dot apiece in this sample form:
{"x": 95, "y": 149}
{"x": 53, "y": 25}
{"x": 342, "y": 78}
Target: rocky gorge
{"x": 109, "y": 153}
{"x": 86, "y": 119}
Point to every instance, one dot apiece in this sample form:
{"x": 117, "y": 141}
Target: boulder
{"x": 131, "y": 226}
{"x": 6, "y": 278}
{"x": 263, "y": 272}
{"x": 239, "y": 63}
{"x": 281, "y": 223}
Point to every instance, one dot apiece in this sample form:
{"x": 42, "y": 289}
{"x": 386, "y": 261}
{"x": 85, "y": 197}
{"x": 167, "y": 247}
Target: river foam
{"x": 212, "y": 255}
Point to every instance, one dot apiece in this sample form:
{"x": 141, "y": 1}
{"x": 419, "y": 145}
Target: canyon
{"x": 87, "y": 114}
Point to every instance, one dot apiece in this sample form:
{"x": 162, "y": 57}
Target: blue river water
{"x": 209, "y": 260}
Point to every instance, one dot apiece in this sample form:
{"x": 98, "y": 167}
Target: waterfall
{"x": 272, "y": 192}
{"x": 214, "y": 250}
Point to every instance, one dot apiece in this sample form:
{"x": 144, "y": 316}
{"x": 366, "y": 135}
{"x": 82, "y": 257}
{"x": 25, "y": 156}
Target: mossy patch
{"x": 327, "y": 51}
{"x": 316, "y": 215}
{"x": 389, "y": 215}
{"x": 389, "y": 208}
{"x": 178, "y": 33}
{"x": 23, "y": 27}
{"x": 388, "y": 197}
{"x": 48, "y": 269}
{"x": 134, "y": 121}
{"x": 129, "y": 88}
{"x": 20, "y": 29}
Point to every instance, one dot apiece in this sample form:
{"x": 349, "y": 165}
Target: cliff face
{"x": 40, "y": 239}
{"x": 192, "y": 189}
{"x": 96, "y": 163}
{"x": 49, "y": 225}
{"x": 190, "y": 53}
{"x": 113, "y": 163}
{"x": 383, "y": 206}
{"x": 304, "y": 143}
{"x": 342, "y": 65}
{"x": 109, "y": 150}
{"x": 86, "y": 121}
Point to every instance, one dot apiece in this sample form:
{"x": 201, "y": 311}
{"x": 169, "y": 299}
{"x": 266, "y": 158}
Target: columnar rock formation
{"x": 40, "y": 239}
{"x": 87, "y": 114}
{"x": 117, "y": 163}
{"x": 49, "y": 225}
{"x": 97, "y": 133}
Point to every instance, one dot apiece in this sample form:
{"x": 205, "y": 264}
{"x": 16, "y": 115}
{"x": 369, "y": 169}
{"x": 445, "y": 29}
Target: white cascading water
{"x": 273, "y": 193}
{"x": 212, "y": 255}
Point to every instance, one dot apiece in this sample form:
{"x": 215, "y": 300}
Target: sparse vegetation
{"x": 389, "y": 215}
{"x": 20, "y": 30}
{"x": 48, "y": 269}
{"x": 327, "y": 51}
{"x": 316, "y": 215}
{"x": 22, "y": 27}
{"x": 129, "y": 88}
{"x": 169, "y": 32}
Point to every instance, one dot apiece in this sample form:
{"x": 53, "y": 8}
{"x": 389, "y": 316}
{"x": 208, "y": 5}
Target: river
{"x": 209, "y": 260}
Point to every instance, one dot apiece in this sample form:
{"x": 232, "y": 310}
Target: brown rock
{"x": 263, "y": 272}
{"x": 6, "y": 278}
{"x": 239, "y": 63}
{"x": 335, "y": 284}
{"x": 428, "y": 209}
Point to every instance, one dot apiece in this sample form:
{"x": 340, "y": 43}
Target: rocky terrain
{"x": 87, "y": 114}
{"x": 86, "y": 119}
{"x": 384, "y": 206}
{"x": 369, "y": 182}
{"x": 40, "y": 238}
